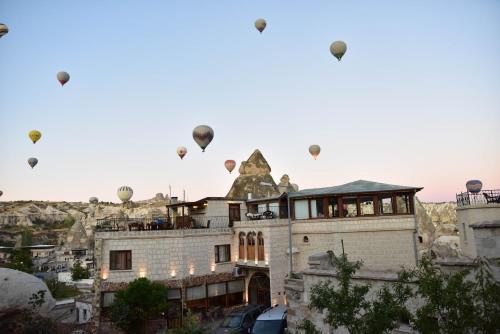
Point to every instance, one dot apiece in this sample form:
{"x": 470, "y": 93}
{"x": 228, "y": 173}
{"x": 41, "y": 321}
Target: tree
{"x": 26, "y": 238}
{"x": 78, "y": 272}
{"x": 190, "y": 325}
{"x": 140, "y": 301}
{"x": 20, "y": 259}
{"x": 462, "y": 302}
{"x": 346, "y": 304}
{"x": 61, "y": 290}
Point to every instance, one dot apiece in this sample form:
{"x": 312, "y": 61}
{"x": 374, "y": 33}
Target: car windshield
{"x": 232, "y": 321}
{"x": 267, "y": 327}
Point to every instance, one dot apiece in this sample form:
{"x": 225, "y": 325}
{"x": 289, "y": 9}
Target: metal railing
{"x": 483, "y": 197}
{"x": 274, "y": 212}
{"x": 161, "y": 223}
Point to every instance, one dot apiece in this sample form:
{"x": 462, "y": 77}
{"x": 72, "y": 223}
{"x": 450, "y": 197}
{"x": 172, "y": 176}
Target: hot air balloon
{"x": 203, "y": 135}
{"x": 3, "y": 29}
{"x": 1, "y": 193}
{"x": 32, "y": 162}
{"x": 260, "y": 24}
{"x": 230, "y": 164}
{"x": 35, "y": 135}
{"x": 63, "y": 77}
{"x": 338, "y": 49}
{"x": 93, "y": 200}
{"x": 474, "y": 186}
{"x": 314, "y": 150}
{"x": 125, "y": 193}
{"x": 181, "y": 151}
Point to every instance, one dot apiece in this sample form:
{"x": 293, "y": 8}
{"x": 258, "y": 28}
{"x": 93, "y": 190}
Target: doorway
{"x": 259, "y": 290}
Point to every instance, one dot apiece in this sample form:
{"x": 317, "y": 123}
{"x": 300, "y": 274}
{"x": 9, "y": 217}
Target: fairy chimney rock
{"x": 255, "y": 179}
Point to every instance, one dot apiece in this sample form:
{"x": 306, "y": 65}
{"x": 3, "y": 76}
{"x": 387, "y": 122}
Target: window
{"x": 251, "y": 246}
{"x": 107, "y": 299}
{"x": 195, "y": 292}
{"x": 403, "y": 203}
{"x": 301, "y": 209}
{"x": 241, "y": 248}
{"x": 305, "y": 239}
{"x": 84, "y": 314}
{"x": 262, "y": 208}
{"x": 317, "y": 208}
{"x": 274, "y": 208}
{"x": 349, "y": 206}
{"x": 222, "y": 253}
{"x": 173, "y": 294}
{"x": 366, "y": 205}
{"x": 385, "y": 204}
{"x": 216, "y": 289}
{"x": 420, "y": 239}
{"x": 236, "y": 286}
{"x": 260, "y": 247}
{"x": 333, "y": 207}
{"x": 120, "y": 260}
{"x": 465, "y": 232}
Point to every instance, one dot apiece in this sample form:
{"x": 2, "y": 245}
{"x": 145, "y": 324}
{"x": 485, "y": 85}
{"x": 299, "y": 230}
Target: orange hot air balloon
{"x": 230, "y": 164}
{"x": 181, "y": 151}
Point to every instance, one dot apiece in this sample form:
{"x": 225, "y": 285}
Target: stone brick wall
{"x": 469, "y": 215}
{"x": 160, "y": 255}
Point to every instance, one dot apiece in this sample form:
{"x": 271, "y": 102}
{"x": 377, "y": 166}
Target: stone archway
{"x": 259, "y": 289}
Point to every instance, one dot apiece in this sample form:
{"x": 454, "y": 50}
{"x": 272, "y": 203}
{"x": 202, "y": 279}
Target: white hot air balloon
{"x": 203, "y": 135}
{"x": 181, "y": 151}
{"x": 125, "y": 193}
{"x": 314, "y": 150}
{"x": 1, "y": 193}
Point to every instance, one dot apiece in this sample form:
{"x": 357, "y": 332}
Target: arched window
{"x": 241, "y": 249}
{"x": 251, "y": 246}
{"x": 305, "y": 239}
{"x": 260, "y": 246}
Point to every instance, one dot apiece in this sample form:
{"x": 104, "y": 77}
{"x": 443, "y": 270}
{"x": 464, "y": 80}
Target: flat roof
{"x": 360, "y": 186}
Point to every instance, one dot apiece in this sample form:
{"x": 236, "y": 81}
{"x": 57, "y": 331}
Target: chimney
{"x": 173, "y": 200}
{"x": 249, "y": 195}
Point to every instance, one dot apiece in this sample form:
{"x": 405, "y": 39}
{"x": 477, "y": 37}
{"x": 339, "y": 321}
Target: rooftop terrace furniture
{"x": 491, "y": 198}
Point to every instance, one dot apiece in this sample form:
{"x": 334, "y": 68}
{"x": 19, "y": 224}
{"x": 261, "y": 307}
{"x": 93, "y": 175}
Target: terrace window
{"x": 385, "y": 204}
{"x": 262, "y": 207}
{"x": 275, "y": 208}
{"x": 366, "y": 205}
{"x": 241, "y": 249}
{"x": 333, "y": 208}
{"x": 403, "y": 203}
{"x": 260, "y": 247}
{"x": 222, "y": 253}
{"x": 120, "y": 260}
{"x": 301, "y": 209}
{"x": 350, "y": 206}
{"x": 317, "y": 208}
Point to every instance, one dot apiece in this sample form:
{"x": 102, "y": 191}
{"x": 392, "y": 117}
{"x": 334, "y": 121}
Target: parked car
{"x": 272, "y": 321}
{"x": 240, "y": 321}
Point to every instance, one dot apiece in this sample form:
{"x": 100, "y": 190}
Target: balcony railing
{"x": 161, "y": 223}
{"x": 483, "y": 197}
{"x": 274, "y": 213}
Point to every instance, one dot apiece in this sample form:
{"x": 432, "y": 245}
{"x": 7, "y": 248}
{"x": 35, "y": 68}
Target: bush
{"x": 78, "y": 272}
{"x": 61, "y": 290}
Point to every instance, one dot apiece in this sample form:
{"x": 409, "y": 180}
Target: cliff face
{"x": 255, "y": 179}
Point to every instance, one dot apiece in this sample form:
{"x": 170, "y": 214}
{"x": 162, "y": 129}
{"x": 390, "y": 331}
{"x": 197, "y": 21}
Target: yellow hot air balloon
{"x": 35, "y": 135}
{"x": 260, "y": 25}
{"x": 338, "y": 49}
{"x": 314, "y": 150}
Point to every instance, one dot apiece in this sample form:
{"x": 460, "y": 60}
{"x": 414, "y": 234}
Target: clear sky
{"x": 415, "y": 100}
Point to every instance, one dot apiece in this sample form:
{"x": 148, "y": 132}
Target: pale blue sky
{"x": 415, "y": 101}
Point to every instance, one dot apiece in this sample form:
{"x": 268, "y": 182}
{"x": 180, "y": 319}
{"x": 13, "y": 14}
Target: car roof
{"x": 245, "y": 309}
{"x": 276, "y": 313}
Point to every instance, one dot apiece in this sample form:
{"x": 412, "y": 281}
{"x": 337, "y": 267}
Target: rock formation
{"x": 255, "y": 179}
{"x": 286, "y": 186}
{"x": 18, "y": 287}
{"x": 77, "y": 237}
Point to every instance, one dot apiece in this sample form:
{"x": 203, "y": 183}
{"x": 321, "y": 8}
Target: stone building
{"x": 223, "y": 251}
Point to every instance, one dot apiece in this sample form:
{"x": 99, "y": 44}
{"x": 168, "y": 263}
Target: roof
{"x": 360, "y": 186}
{"x": 275, "y": 313}
{"x": 173, "y": 205}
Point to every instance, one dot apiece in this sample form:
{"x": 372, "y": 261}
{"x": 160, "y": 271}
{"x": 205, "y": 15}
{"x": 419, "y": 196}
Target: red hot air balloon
{"x": 230, "y": 164}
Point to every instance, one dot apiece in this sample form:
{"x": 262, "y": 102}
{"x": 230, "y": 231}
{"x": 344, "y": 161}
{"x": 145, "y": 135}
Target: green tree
{"x": 140, "y": 301}
{"x": 346, "y": 304}
{"x": 61, "y": 290}
{"x": 78, "y": 272}
{"x": 20, "y": 259}
{"x": 26, "y": 238}
{"x": 191, "y": 325}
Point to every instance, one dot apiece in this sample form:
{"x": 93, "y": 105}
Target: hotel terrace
{"x": 218, "y": 252}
